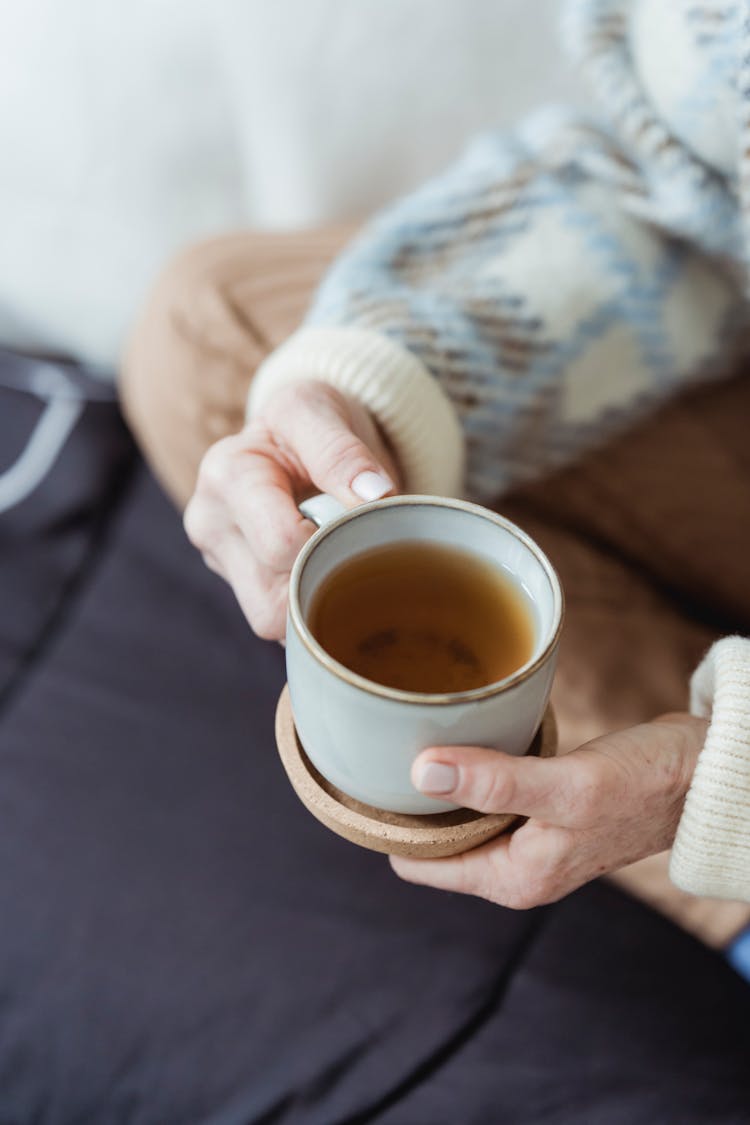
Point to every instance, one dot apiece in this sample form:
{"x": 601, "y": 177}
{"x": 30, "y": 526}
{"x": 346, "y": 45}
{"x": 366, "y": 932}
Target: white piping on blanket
{"x": 65, "y": 404}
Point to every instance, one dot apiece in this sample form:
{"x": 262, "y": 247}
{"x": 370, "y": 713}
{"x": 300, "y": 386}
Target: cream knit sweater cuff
{"x": 408, "y": 403}
{"x": 711, "y": 854}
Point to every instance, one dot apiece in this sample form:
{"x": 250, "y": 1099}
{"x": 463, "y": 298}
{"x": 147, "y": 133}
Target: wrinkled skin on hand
{"x": 613, "y": 801}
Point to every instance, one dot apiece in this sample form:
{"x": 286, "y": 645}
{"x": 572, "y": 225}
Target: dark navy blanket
{"x": 180, "y": 942}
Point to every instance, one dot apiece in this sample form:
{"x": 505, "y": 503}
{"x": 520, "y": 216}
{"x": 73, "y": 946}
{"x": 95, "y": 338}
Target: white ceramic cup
{"x": 362, "y": 736}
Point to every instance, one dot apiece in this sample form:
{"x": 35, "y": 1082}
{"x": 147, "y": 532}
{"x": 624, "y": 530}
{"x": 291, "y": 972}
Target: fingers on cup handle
{"x": 337, "y": 461}
{"x": 244, "y": 520}
{"x": 261, "y": 594}
{"x": 244, "y": 516}
{"x": 257, "y": 495}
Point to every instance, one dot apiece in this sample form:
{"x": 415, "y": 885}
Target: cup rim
{"x": 398, "y": 694}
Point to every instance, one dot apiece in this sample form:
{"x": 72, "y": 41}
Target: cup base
{"x": 422, "y": 837}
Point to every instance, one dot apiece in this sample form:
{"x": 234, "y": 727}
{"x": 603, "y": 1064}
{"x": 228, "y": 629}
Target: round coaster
{"x": 422, "y": 837}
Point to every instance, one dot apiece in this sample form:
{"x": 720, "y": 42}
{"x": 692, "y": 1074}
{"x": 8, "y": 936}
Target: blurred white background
{"x": 127, "y": 130}
{"x": 347, "y": 103}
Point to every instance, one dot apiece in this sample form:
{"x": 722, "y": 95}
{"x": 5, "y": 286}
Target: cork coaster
{"x": 440, "y": 834}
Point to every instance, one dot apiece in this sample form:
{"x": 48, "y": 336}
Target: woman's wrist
{"x": 689, "y": 736}
{"x": 685, "y": 735}
{"x": 417, "y": 418}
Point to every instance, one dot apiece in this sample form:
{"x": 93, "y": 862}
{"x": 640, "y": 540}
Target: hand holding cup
{"x": 243, "y": 516}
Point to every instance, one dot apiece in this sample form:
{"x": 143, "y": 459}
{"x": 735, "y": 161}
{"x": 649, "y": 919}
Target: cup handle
{"x": 322, "y": 509}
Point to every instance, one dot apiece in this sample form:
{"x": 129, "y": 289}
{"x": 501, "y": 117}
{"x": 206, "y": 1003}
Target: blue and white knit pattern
{"x": 704, "y": 114}
{"x": 563, "y": 280}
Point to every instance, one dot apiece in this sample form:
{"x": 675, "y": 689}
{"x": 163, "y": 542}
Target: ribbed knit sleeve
{"x": 392, "y": 383}
{"x": 711, "y": 854}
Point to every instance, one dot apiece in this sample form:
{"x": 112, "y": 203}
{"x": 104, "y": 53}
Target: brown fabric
{"x": 211, "y": 317}
{"x": 651, "y": 535}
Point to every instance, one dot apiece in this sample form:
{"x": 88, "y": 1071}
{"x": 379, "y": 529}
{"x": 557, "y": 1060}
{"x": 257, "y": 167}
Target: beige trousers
{"x": 651, "y": 535}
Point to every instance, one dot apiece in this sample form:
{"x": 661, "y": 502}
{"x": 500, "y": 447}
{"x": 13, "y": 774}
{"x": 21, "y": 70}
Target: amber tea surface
{"x": 424, "y": 617}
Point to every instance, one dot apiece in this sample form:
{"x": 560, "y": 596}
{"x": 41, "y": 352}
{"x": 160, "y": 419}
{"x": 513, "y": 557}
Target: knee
{"x": 188, "y": 362}
{"x": 189, "y": 317}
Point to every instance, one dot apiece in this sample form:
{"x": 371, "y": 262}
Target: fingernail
{"x": 371, "y": 486}
{"x": 435, "y": 777}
